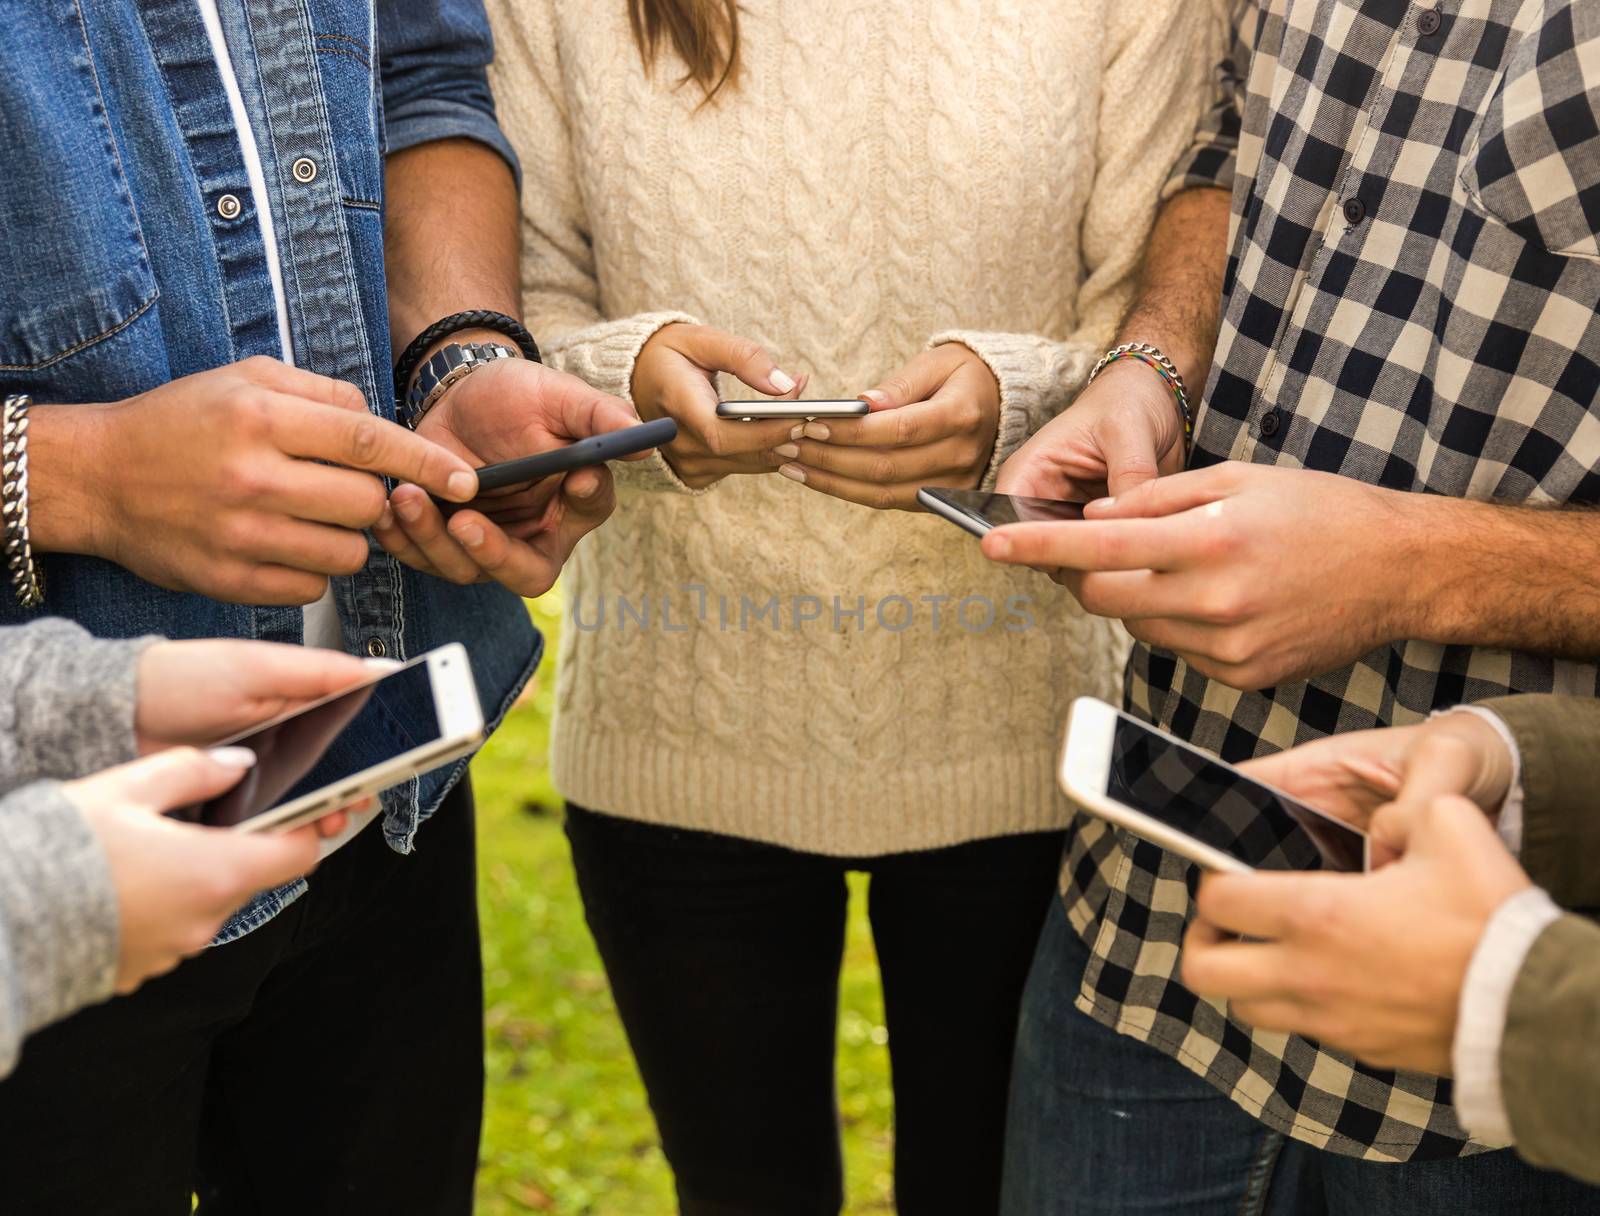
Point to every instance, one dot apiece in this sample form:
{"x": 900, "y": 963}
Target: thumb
{"x": 1390, "y": 831}
{"x": 569, "y": 409}
{"x": 718, "y": 351}
{"x": 261, "y": 862}
{"x": 1150, "y": 496}
{"x": 172, "y": 778}
{"x": 1439, "y": 764}
{"x": 1129, "y": 450}
{"x": 916, "y": 381}
{"x": 1417, "y": 828}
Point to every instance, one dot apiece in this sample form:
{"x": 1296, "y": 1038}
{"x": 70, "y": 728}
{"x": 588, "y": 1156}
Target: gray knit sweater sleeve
{"x": 58, "y": 914}
{"x": 66, "y": 702}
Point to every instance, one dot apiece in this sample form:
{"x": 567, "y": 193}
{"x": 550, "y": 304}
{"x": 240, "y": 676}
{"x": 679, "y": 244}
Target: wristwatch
{"x": 443, "y": 368}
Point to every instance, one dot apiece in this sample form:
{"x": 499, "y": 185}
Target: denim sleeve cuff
{"x": 431, "y": 119}
{"x": 1481, "y": 1020}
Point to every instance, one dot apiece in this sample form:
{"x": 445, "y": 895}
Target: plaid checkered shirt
{"x": 1410, "y": 300}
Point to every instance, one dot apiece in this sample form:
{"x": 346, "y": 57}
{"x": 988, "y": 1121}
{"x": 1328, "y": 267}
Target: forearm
{"x": 450, "y": 237}
{"x": 1500, "y": 577}
{"x": 1178, "y": 305}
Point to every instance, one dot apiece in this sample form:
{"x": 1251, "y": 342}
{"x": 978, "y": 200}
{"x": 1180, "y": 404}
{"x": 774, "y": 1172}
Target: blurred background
{"x": 567, "y": 1128}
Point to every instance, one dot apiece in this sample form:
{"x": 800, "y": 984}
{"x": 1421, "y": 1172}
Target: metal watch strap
{"x": 1164, "y": 367}
{"x": 445, "y": 367}
{"x": 27, "y": 584}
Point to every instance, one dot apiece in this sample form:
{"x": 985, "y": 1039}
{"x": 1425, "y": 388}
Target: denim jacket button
{"x": 377, "y": 648}
{"x": 304, "y": 170}
{"x": 228, "y": 206}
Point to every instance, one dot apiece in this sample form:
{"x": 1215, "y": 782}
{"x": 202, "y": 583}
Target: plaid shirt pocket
{"x": 1533, "y": 160}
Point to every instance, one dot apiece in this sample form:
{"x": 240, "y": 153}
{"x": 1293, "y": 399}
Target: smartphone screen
{"x": 1214, "y": 803}
{"x": 291, "y": 758}
{"x": 988, "y": 511}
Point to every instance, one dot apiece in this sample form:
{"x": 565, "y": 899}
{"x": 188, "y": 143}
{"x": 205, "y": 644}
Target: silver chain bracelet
{"x": 27, "y": 584}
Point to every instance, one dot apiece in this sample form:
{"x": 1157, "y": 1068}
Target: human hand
{"x": 250, "y": 483}
{"x": 1369, "y": 964}
{"x": 521, "y": 536}
{"x": 199, "y": 692}
{"x": 1254, "y": 575}
{"x": 1353, "y": 775}
{"x": 1122, "y": 431}
{"x": 176, "y": 883}
{"x": 932, "y": 423}
{"x": 675, "y": 377}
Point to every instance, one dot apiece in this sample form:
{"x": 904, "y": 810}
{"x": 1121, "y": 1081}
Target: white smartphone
{"x": 1191, "y": 803}
{"x": 760, "y": 411}
{"x": 292, "y": 784}
{"x": 979, "y": 513}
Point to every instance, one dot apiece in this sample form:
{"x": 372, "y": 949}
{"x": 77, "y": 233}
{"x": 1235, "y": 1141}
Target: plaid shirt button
{"x": 1270, "y": 422}
{"x": 1354, "y": 211}
{"x": 1428, "y": 22}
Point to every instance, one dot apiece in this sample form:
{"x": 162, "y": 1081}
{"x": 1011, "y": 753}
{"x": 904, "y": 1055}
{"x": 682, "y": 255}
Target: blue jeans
{"x": 1100, "y": 1122}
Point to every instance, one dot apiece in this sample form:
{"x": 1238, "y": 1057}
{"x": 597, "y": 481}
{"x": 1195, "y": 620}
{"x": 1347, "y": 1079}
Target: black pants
{"x": 724, "y": 957}
{"x": 329, "y": 1062}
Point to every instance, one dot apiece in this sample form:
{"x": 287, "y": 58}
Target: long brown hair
{"x": 704, "y": 33}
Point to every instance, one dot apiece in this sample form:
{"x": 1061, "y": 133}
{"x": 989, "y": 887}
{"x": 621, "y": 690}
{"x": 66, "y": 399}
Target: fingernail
{"x": 999, "y": 545}
{"x": 787, "y": 450}
{"x": 408, "y": 509}
{"x": 384, "y": 665}
{"x": 1106, "y": 503}
{"x": 470, "y": 535}
{"x": 462, "y": 486}
{"x": 781, "y": 380}
{"x": 798, "y": 432}
{"x": 386, "y": 519}
{"x": 875, "y": 396}
{"x": 583, "y": 487}
{"x": 793, "y": 472}
{"x": 233, "y": 757}
{"x": 815, "y": 430}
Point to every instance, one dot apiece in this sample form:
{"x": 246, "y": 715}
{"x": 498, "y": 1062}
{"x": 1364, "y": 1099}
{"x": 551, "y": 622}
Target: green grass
{"x": 567, "y": 1128}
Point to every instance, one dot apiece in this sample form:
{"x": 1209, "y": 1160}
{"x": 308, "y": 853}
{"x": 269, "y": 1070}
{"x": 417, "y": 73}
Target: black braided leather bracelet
{"x": 478, "y": 318}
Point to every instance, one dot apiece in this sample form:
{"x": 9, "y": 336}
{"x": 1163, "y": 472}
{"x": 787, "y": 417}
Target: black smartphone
{"x": 597, "y": 449}
{"x": 979, "y": 513}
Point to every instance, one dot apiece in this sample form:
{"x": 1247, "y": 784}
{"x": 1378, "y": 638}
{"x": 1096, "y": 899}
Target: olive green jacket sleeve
{"x": 1550, "y": 1052}
{"x": 1559, "y": 739}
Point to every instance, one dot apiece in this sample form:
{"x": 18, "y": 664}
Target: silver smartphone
{"x": 292, "y": 782}
{"x": 754, "y": 411}
{"x": 1191, "y": 803}
{"x": 979, "y": 513}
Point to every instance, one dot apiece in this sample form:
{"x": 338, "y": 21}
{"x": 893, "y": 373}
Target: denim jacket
{"x": 118, "y": 273}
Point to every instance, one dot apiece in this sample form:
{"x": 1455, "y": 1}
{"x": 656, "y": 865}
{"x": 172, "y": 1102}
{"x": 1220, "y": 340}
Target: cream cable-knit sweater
{"x": 888, "y": 173}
